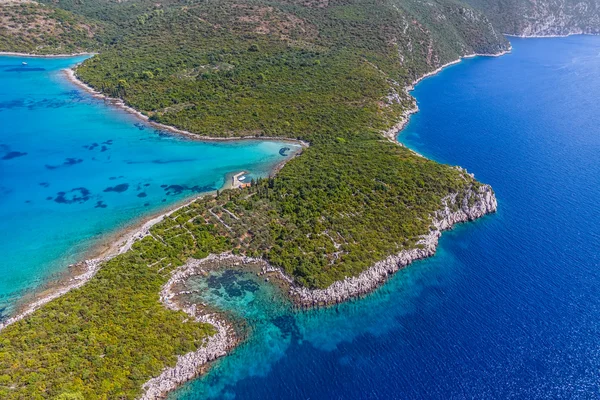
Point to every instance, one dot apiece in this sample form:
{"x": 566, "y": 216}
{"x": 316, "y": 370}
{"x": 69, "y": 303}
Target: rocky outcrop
{"x": 531, "y": 18}
{"x": 189, "y": 365}
{"x": 473, "y": 204}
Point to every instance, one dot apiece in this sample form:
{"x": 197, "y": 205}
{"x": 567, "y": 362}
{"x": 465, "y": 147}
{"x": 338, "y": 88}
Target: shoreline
{"x": 392, "y": 133}
{"x": 370, "y": 279}
{"x": 115, "y": 243}
{"x": 76, "y": 275}
{"x": 550, "y": 36}
{"x": 189, "y": 365}
{"x": 120, "y": 241}
{"x": 17, "y": 54}
{"x": 118, "y": 103}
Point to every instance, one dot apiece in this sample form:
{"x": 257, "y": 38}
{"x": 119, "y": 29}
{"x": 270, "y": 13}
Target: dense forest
{"x": 330, "y": 72}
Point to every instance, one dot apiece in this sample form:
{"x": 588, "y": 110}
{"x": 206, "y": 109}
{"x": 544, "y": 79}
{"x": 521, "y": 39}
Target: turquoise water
{"x": 509, "y": 306}
{"x": 73, "y": 169}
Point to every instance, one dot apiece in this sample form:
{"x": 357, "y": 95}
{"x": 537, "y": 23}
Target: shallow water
{"x": 73, "y": 170}
{"x": 509, "y": 306}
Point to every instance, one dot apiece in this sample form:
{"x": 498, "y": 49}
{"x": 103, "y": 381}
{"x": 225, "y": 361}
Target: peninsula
{"x": 333, "y": 223}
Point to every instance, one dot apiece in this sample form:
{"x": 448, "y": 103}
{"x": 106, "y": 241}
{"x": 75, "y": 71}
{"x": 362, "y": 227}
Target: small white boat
{"x": 23, "y": 63}
{"x": 241, "y": 178}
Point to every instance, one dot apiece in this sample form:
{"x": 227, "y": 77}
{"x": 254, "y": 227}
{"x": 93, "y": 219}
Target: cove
{"x": 74, "y": 170}
{"x": 508, "y": 307}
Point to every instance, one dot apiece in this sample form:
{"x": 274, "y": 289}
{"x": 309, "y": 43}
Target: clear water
{"x": 73, "y": 169}
{"x": 509, "y": 307}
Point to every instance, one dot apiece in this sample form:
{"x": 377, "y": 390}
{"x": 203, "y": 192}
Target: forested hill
{"x": 331, "y": 73}
{"x": 542, "y": 18}
{"x": 31, "y": 27}
{"x": 224, "y": 68}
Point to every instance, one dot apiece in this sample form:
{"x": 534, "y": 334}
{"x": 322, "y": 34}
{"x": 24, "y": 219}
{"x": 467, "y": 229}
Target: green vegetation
{"x": 334, "y": 222}
{"x": 326, "y": 76}
{"x": 105, "y": 341}
{"x": 329, "y": 72}
{"x": 33, "y": 28}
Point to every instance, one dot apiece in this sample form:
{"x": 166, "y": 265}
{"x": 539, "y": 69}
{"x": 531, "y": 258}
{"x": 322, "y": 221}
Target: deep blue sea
{"x": 73, "y": 170}
{"x": 510, "y": 305}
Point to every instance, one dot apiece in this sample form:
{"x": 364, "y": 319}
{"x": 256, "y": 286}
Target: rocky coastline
{"x": 551, "y": 26}
{"x": 190, "y": 365}
{"x": 474, "y": 204}
{"x": 470, "y": 205}
{"x": 456, "y": 208}
{"x": 392, "y": 133}
{"x": 531, "y": 34}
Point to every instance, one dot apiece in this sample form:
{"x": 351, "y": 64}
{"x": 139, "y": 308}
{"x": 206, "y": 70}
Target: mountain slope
{"x": 27, "y": 26}
{"x": 542, "y": 18}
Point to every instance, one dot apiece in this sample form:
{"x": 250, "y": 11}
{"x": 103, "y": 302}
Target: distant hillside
{"x": 542, "y": 18}
{"x": 310, "y": 64}
{"x": 74, "y": 25}
{"x": 27, "y": 26}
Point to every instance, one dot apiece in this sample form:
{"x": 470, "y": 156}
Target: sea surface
{"x": 74, "y": 170}
{"x": 510, "y": 305}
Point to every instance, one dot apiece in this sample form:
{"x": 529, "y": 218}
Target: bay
{"x": 75, "y": 170}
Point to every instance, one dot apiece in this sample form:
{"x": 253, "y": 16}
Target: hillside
{"x": 30, "y": 27}
{"x": 283, "y": 69}
{"x": 542, "y": 18}
{"x": 332, "y": 75}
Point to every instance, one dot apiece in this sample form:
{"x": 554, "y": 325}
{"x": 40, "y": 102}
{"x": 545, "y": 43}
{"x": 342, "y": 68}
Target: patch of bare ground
{"x": 270, "y": 21}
